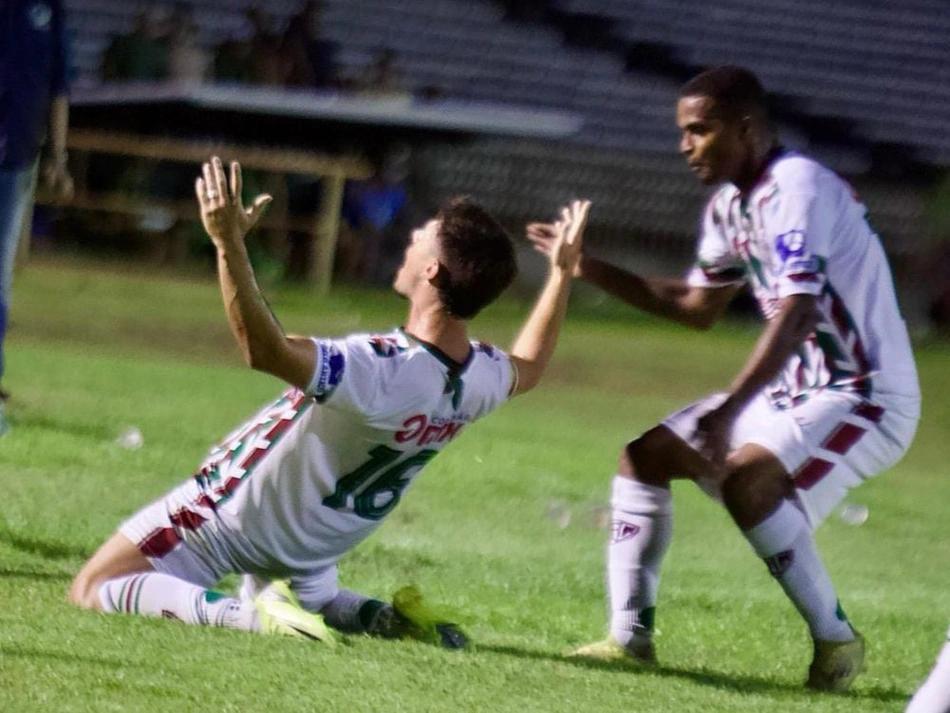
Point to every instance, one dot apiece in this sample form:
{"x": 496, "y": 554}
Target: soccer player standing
{"x": 828, "y": 397}
{"x": 34, "y": 111}
{"x": 314, "y": 473}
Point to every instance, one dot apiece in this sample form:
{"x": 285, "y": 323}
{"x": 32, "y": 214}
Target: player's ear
{"x": 436, "y": 273}
{"x": 744, "y": 126}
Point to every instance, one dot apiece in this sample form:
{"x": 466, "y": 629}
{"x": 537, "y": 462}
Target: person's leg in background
{"x": 16, "y": 205}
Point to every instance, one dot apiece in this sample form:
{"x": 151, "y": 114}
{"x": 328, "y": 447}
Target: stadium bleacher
{"x": 864, "y": 88}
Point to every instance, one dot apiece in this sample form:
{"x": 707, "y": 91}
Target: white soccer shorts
{"x": 181, "y": 537}
{"x": 828, "y": 444}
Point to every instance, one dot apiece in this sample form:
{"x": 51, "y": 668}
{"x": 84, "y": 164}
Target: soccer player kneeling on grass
{"x": 314, "y": 473}
{"x": 828, "y": 398}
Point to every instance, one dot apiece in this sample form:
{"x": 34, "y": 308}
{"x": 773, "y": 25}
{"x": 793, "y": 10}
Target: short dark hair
{"x": 478, "y": 258}
{"x": 735, "y": 91}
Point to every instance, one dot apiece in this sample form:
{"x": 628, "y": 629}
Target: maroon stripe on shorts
{"x": 160, "y": 542}
{"x": 843, "y": 438}
{"x": 187, "y": 519}
{"x": 872, "y": 413}
{"x": 812, "y": 470}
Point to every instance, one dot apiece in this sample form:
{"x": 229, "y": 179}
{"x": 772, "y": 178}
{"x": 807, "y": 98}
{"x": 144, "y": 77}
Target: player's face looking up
{"x": 421, "y": 259}
{"x": 716, "y": 147}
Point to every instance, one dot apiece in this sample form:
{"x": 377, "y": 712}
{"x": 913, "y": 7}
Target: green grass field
{"x": 92, "y": 352}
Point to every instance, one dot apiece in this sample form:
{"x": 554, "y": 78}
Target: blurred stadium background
{"x": 863, "y": 85}
{"x": 360, "y": 116}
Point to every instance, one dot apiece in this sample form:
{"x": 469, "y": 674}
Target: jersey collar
{"x": 453, "y": 377}
{"x": 771, "y": 157}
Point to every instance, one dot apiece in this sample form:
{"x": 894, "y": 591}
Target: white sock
{"x": 934, "y": 695}
{"x": 785, "y": 541}
{"x": 640, "y": 532}
{"x": 154, "y": 594}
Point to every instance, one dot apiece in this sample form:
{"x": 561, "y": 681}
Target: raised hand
{"x": 562, "y": 241}
{"x": 223, "y": 214}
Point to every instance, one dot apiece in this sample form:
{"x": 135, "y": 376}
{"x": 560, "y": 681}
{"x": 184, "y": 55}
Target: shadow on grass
{"x": 47, "y": 549}
{"x": 702, "y": 676}
{"x": 16, "y": 573}
{"x": 24, "y": 652}
{"x": 41, "y": 421}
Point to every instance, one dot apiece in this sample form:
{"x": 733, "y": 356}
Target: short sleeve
{"x": 717, "y": 263}
{"x": 801, "y": 234}
{"x": 346, "y": 374}
{"x": 497, "y": 375}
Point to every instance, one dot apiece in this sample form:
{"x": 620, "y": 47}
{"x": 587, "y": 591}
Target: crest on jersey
{"x": 332, "y": 366}
{"x": 790, "y": 244}
{"x": 40, "y": 15}
{"x": 620, "y": 531}
{"x": 385, "y": 346}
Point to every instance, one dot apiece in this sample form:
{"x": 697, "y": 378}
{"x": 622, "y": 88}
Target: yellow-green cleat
{"x": 416, "y": 619}
{"x": 612, "y": 651}
{"x": 836, "y": 664}
{"x": 281, "y": 614}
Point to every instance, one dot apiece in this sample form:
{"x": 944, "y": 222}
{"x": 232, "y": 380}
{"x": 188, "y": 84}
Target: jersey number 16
{"x": 365, "y": 489}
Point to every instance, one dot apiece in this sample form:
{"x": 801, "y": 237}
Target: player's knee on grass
{"x": 752, "y": 490}
{"x": 117, "y": 557}
{"x": 84, "y": 591}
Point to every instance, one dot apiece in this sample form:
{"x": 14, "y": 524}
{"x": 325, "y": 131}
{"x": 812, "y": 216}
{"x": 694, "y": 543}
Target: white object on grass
{"x": 131, "y": 438}
{"x": 853, "y": 514}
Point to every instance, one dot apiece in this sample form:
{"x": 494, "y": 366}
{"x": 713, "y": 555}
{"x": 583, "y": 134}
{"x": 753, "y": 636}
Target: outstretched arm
{"x": 535, "y": 344}
{"x": 668, "y": 297}
{"x": 262, "y": 340}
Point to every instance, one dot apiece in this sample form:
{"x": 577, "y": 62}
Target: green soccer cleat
{"x": 836, "y": 664}
{"x": 612, "y": 651}
{"x": 281, "y": 614}
{"x": 413, "y": 618}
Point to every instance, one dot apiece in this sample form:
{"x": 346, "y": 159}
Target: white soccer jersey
{"x": 314, "y": 473}
{"x": 802, "y": 230}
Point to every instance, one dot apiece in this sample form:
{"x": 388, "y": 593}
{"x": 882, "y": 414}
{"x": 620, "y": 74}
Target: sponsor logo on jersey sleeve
{"x": 793, "y": 259}
{"x": 807, "y": 264}
{"x": 332, "y": 366}
{"x": 789, "y": 245}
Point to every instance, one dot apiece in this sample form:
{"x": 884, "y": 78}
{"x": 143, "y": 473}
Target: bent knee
{"x": 631, "y": 458}
{"x": 752, "y": 495}
{"x": 656, "y": 457}
{"x": 84, "y": 592}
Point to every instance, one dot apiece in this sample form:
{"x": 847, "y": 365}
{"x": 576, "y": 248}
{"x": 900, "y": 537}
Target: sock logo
{"x": 779, "y": 564}
{"x": 620, "y": 531}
